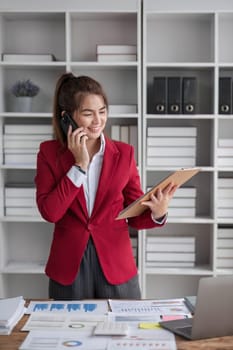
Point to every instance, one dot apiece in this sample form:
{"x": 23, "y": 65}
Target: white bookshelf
{"x": 189, "y": 40}
{"x": 69, "y": 31}
{"x": 180, "y": 38}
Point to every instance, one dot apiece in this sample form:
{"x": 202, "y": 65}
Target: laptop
{"x": 213, "y": 315}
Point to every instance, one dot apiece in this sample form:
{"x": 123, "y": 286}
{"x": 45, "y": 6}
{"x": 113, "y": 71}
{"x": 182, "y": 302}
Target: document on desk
{"x": 160, "y": 309}
{"x": 84, "y": 306}
{"x": 44, "y": 340}
{"x": 81, "y": 323}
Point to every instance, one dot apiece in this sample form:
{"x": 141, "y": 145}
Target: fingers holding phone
{"x": 76, "y": 141}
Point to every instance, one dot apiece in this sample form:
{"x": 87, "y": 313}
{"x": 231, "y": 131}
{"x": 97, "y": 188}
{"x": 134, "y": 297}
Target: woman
{"x": 83, "y": 181}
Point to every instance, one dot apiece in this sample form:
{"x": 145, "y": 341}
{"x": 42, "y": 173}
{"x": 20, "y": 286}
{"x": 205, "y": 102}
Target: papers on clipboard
{"x": 178, "y": 177}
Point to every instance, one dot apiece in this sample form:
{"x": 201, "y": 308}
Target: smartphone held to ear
{"x": 66, "y": 120}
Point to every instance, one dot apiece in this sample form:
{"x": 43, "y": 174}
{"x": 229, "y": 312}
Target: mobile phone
{"x": 66, "y": 121}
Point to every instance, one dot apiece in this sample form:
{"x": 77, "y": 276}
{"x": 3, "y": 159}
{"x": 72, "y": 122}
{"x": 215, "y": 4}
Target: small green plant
{"x": 25, "y": 88}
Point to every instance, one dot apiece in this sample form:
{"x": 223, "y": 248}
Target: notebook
{"x": 178, "y": 177}
{"x": 213, "y": 315}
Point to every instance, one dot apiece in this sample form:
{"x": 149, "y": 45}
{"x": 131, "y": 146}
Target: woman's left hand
{"x": 159, "y": 201}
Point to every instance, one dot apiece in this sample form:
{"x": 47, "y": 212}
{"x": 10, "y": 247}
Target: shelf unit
{"x": 179, "y": 39}
{"x": 189, "y": 40}
{"x": 70, "y": 32}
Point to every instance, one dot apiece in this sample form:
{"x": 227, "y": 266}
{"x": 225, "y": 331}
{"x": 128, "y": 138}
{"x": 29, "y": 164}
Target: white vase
{"x": 23, "y": 104}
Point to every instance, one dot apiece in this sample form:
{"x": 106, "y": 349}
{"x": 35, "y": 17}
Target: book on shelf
{"x": 171, "y": 161}
{"x": 170, "y": 264}
{"x": 17, "y": 151}
{"x": 225, "y": 252}
{"x": 123, "y": 109}
{"x": 133, "y": 139}
{"x": 28, "y": 129}
{"x": 24, "y": 144}
{"x": 19, "y": 190}
{"x": 172, "y": 131}
{"x": 175, "y": 247}
{"x": 225, "y": 161}
{"x": 175, "y": 141}
{"x": 225, "y": 233}
{"x": 179, "y": 202}
{"x": 21, "y": 158}
{"x": 116, "y": 58}
{"x": 224, "y": 263}
{"x": 225, "y": 202}
{"x": 170, "y": 256}
{"x": 225, "y": 182}
{"x": 115, "y": 132}
{"x": 225, "y": 243}
{"x": 225, "y": 142}
{"x": 225, "y": 213}
{"x": 19, "y": 201}
{"x": 189, "y": 192}
{"x": 171, "y": 239}
{"x": 178, "y": 178}
{"x": 26, "y": 137}
{"x": 171, "y": 151}
{"x": 182, "y": 212}
{"x": 225, "y": 151}
{"x": 225, "y": 192}
{"x": 116, "y": 49}
{"x": 21, "y": 211}
{"x": 13, "y": 57}
{"x": 124, "y": 133}
{"x": 11, "y": 311}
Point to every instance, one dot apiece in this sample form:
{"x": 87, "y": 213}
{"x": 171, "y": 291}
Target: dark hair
{"x": 69, "y": 94}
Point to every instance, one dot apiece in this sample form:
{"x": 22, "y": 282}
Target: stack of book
{"x": 170, "y": 251}
{"x": 183, "y": 203}
{"x": 225, "y": 198}
{"x": 112, "y": 53}
{"x": 126, "y": 133}
{"x": 20, "y": 200}
{"x": 171, "y": 146}
{"x": 225, "y": 248}
{"x": 225, "y": 152}
{"x": 21, "y": 142}
{"x": 11, "y": 311}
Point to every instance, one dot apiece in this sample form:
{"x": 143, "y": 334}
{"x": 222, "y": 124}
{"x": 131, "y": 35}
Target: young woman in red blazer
{"x": 83, "y": 181}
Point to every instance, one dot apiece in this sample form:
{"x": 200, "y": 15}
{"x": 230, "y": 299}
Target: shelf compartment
{"x": 186, "y": 37}
{"x": 44, "y": 77}
{"x": 204, "y": 138}
{"x": 204, "y": 90}
{"x": 45, "y": 30}
{"x": 100, "y": 29}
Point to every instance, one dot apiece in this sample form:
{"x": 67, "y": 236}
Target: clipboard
{"x": 178, "y": 177}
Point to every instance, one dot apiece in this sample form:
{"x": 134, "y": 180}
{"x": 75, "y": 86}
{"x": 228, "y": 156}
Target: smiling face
{"x": 92, "y": 115}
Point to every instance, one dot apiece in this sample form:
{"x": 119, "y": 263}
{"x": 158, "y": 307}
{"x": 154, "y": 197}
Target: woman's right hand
{"x": 76, "y": 142}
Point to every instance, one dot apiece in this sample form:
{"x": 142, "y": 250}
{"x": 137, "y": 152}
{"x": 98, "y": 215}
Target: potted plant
{"x": 24, "y": 90}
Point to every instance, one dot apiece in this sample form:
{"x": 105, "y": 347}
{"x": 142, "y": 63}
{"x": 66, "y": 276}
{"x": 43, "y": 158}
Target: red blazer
{"x": 61, "y": 202}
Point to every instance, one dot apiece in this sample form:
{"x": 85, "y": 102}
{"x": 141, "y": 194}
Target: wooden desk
{"x": 14, "y": 340}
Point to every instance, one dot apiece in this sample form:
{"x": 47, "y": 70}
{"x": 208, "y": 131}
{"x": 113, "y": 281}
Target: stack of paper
{"x": 11, "y": 311}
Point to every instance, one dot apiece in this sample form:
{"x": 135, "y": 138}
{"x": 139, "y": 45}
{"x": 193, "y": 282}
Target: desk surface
{"x": 14, "y": 340}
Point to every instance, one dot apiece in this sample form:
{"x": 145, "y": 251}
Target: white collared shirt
{"x": 90, "y": 180}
